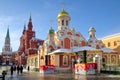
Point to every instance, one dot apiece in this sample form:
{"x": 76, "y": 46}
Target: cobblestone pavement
{"x": 38, "y": 76}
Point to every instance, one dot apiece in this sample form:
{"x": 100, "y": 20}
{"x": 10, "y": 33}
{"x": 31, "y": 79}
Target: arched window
{"x": 115, "y": 43}
{"x": 36, "y": 62}
{"x": 32, "y": 61}
{"x": 65, "y": 60}
{"x": 75, "y": 43}
{"x": 58, "y": 23}
{"x": 62, "y": 22}
{"x": 108, "y": 44}
{"x": 66, "y": 23}
{"x": 83, "y": 43}
{"x": 51, "y": 48}
{"x": 67, "y": 43}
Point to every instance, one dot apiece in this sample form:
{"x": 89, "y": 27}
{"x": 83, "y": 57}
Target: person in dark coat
{"x": 28, "y": 68}
{"x": 21, "y": 69}
{"x": 11, "y": 70}
{"x": 18, "y": 68}
{"x": 14, "y": 68}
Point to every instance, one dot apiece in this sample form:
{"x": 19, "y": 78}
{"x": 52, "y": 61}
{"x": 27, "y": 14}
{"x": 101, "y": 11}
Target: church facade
{"x": 113, "y": 42}
{"x": 65, "y": 46}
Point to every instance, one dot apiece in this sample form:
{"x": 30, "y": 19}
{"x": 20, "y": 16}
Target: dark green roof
{"x": 51, "y": 31}
{"x": 7, "y": 35}
{"x": 91, "y": 28}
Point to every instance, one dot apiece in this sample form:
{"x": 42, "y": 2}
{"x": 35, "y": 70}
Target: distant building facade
{"x": 7, "y": 51}
{"x": 113, "y": 42}
{"x": 28, "y": 44}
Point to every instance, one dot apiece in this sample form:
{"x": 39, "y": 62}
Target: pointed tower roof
{"x": 7, "y": 35}
{"x": 30, "y": 19}
{"x": 30, "y": 26}
{"x": 25, "y": 26}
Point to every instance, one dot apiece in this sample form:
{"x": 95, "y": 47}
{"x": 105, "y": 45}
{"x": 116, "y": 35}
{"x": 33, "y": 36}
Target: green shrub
{"x": 111, "y": 72}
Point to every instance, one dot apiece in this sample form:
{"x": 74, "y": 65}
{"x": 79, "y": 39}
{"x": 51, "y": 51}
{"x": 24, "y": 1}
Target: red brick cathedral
{"x": 28, "y": 44}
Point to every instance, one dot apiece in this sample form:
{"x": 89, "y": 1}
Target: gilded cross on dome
{"x": 51, "y": 21}
{"x": 62, "y": 5}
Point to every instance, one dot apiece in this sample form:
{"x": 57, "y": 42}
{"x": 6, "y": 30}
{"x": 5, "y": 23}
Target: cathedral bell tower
{"x": 51, "y": 34}
{"x": 7, "y": 48}
{"x": 92, "y": 32}
{"x": 63, "y": 20}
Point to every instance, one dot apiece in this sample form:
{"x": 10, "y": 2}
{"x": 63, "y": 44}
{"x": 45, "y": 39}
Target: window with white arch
{"x": 65, "y": 60}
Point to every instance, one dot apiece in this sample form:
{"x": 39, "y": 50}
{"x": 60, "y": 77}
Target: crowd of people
{"x": 17, "y": 68}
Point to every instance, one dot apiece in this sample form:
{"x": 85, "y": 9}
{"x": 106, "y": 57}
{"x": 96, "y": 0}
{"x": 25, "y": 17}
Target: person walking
{"x": 28, "y": 68}
{"x": 21, "y": 69}
{"x": 11, "y": 70}
{"x": 14, "y": 68}
{"x": 18, "y": 68}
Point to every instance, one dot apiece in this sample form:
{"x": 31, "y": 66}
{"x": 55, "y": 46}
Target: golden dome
{"x": 63, "y": 13}
{"x": 73, "y": 29}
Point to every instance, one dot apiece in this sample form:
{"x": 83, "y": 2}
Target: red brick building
{"x": 28, "y": 44}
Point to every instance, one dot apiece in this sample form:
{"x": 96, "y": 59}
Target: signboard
{"x": 47, "y": 69}
{"x": 87, "y": 68}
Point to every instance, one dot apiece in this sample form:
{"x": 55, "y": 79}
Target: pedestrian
{"x": 11, "y": 70}
{"x": 28, "y": 68}
{"x": 14, "y": 68}
{"x": 21, "y": 69}
{"x": 18, "y": 68}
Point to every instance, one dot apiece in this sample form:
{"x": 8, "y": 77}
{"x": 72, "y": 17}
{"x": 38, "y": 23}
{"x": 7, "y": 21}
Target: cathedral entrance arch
{"x": 67, "y": 43}
{"x": 7, "y": 62}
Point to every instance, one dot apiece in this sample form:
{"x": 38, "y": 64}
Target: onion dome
{"x": 63, "y": 13}
{"x": 51, "y": 31}
{"x": 92, "y": 29}
{"x": 73, "y": 29}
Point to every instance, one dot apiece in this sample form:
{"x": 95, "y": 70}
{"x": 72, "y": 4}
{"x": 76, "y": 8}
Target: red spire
{"x": 30, "y": 23}
{"x": 24, "y": 28}
{"x": 30, "y": 19}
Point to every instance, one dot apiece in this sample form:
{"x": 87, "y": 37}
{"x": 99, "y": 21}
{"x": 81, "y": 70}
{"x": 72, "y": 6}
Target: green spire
{"x": 7, "y": 35}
